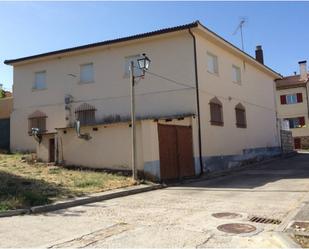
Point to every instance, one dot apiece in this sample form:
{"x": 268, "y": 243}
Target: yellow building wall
{"x": 294, "y": 110}
{"x": 256, "y": 93}
{"x": 110, "y": 91}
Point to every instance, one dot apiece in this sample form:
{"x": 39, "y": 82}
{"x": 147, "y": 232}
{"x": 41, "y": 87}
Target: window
{"x": 298, "y": 122}
{"x": 37, "y": 120}
{"x": 40, "y": 80}
{"x": 85, "y": 113}
{"x": 240, "y": 112}
{"x": 216, "y": 114}
{"x": 212, "y": 63}
{"x": 236, "y": 74}
{"x": 86, "y": 73}
{"x": 128, "y": 59}
{"x": 289, "y": 99}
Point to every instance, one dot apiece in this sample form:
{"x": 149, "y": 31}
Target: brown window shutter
{"x": 283, "y": 99}
{"x": 299, "y": 97}
{"x": 301, "y": 121}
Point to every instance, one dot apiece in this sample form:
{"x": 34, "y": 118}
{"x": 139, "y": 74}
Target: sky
{"x": 29, "y": 28}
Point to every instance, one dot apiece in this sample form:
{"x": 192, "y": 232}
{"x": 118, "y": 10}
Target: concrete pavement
{"x": 179, "y": 216}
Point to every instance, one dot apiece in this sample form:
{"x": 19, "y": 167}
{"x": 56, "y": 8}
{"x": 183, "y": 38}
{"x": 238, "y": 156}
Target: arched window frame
{"x": 216, "y": 112}
{"x": 240, "y": 115}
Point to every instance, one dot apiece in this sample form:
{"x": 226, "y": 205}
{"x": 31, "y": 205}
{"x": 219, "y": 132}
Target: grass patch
{"x": 24, "y": 185}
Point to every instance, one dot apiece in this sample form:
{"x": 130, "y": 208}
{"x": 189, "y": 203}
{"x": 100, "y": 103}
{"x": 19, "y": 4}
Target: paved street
{"x": 173, "y": 217}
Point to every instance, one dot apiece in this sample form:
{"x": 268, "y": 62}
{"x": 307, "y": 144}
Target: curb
{"x": 83, "y": 200}
{"x": 14, "y": 212}
{"x": 285, "y": 240}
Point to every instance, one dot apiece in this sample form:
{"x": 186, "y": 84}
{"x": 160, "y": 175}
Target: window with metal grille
{"x": 37, "y": 122}
{"x": 86, "y": 117}
{"x": 216, "y": 113}
{"x": 85, "y": 113}
{"x": 240, "y": 112}
{"x": 298, "y": 122}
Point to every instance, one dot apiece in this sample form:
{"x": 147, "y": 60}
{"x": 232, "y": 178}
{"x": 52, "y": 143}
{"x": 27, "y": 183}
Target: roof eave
{"x": 104, "y": 43}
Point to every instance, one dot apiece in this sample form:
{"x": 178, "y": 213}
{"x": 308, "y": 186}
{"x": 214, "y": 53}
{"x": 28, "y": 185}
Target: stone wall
{"x": 287, "y": 143}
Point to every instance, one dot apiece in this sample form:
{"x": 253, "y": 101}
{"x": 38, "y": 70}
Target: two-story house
{"x": 203, "y": 105}
{"x": 292, "y": 103}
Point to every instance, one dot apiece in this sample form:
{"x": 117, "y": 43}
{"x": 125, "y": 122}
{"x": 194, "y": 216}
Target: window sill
{"x": 242, "y": 126}
{"x": 38, "y": 89}
{"x": 215, "y": 74}
{"x": 86, "y": 82}
{"x": 237, "y": 82}
{"x": 216, "y": 123}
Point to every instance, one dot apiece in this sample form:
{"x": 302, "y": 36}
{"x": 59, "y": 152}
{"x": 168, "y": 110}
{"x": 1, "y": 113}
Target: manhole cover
{"x": 236, "y": 228}
{"x": 226, "y": 215}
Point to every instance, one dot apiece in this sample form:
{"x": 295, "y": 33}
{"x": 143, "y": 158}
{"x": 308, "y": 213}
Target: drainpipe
{"x": 197, "y": 103}
{"x": 307, "y": 97}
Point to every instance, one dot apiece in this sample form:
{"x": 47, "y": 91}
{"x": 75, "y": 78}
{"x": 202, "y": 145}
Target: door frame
{"x": 51, "y": 150}
{"x": 174, "y": 155}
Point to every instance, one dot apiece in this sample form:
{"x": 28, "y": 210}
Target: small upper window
{"x": 293, "y": 98}
{"x": 40, "y": 80}
{"x": 137, "y": 70}
{"x": 212, "y": 63}
{"x": 236, "y": 74}
{"x": 86, "y": 73}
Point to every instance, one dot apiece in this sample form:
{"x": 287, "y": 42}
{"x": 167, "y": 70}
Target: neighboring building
{"x": 292, "y": 103}
{"x": 6, "y": 107}
{"x": 204, "y": 105}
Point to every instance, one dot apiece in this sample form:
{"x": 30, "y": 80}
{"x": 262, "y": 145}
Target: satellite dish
{"x": 35, "y": 132}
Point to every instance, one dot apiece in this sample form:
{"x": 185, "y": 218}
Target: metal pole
{"x": 133, "y": 128}
{"x": 242, "y": 38}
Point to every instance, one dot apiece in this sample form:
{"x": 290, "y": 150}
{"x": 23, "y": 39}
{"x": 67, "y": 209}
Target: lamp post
{"x": 143, "y": 64}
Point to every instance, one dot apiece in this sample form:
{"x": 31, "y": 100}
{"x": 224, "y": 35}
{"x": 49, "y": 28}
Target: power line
{"x": 209, "y": 93}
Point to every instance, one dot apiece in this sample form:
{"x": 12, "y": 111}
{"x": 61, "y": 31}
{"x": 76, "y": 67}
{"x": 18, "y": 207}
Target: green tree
{"x": 2, "y": 94}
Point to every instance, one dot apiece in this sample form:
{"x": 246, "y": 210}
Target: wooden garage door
{"x": 176, "y": 151}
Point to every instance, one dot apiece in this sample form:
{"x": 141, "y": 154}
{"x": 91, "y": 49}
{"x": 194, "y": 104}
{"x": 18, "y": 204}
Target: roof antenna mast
{"x": 239, "y": 27}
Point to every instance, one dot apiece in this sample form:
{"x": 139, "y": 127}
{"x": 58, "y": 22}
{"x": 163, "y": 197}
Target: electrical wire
{"x": 209, "y": 93}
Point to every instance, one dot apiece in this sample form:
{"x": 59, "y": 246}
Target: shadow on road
{"x": 296, "y": 167}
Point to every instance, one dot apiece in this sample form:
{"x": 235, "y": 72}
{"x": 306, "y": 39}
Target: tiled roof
{"x": 290, "y": 82}
{"x": 108, "y": 42}
{"x": 7, "y": 94}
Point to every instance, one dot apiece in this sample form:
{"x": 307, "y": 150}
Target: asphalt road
{"x": 179, "y": 216}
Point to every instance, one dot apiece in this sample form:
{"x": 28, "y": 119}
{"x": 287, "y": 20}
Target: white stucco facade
{"x": 168, "y": 90}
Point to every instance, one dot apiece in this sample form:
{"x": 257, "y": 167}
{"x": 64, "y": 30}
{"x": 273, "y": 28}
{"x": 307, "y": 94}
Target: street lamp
{"x": 143, "y": 64}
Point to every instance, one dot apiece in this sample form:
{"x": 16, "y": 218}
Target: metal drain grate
{"x": 263, "y": 220}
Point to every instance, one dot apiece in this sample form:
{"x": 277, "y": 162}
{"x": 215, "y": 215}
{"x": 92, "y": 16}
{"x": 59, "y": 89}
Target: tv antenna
{"x": 243, "y": 20}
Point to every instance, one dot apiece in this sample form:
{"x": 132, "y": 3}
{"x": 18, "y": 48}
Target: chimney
{"x": 303, "y": 70}
{"x": 259, "y": 54}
